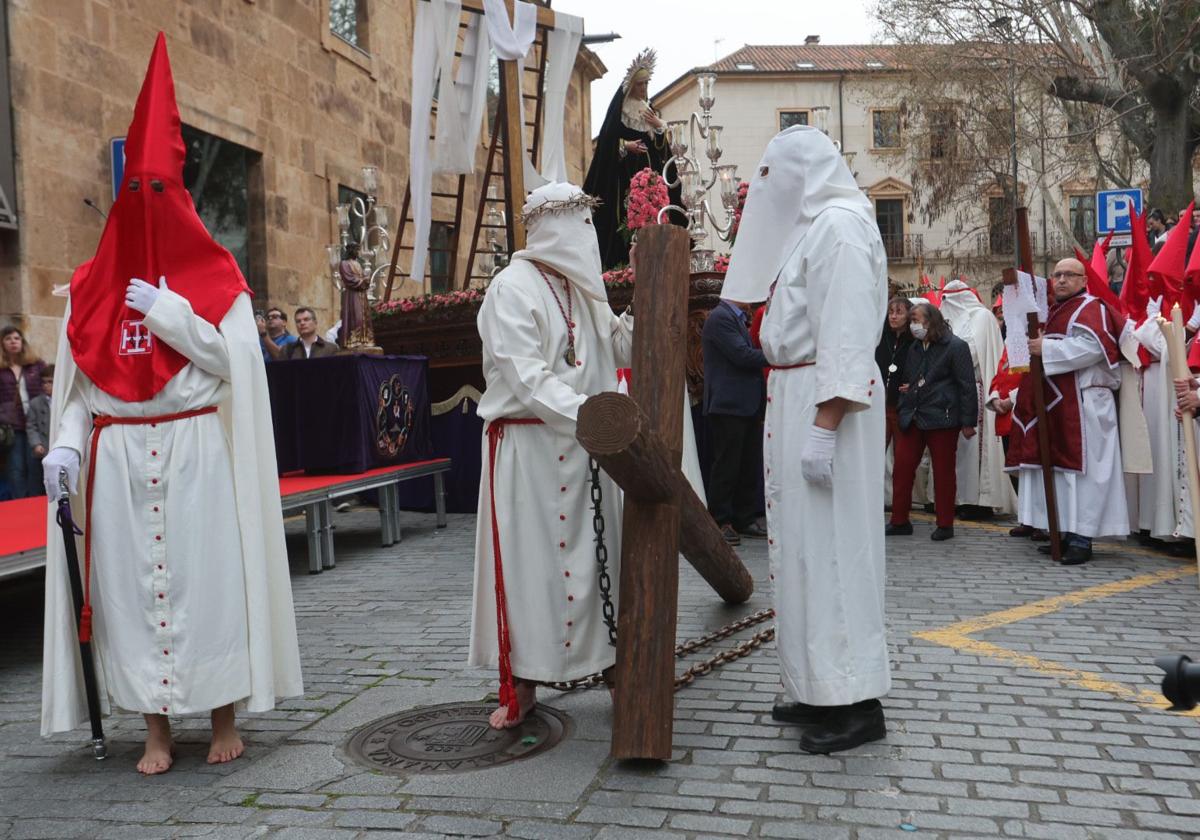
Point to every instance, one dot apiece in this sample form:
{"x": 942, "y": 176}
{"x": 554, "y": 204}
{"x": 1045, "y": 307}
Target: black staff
{"x": 69, "y": 531}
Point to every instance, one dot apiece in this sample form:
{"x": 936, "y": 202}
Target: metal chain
{"x": 691, "y": 646}
{"x": 610, "y": 613}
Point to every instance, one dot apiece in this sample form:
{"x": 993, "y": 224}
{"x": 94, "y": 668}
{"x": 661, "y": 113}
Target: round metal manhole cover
{"x": 452, "y": 738}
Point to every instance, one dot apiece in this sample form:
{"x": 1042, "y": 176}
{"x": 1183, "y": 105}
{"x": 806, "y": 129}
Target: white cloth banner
{"x": 460, "y": 105}
{"x": 563, "y": 48}
{"x": 510, "y": 40}
{"x": 435, "y": 35}
{"x": 1028, "y": 295}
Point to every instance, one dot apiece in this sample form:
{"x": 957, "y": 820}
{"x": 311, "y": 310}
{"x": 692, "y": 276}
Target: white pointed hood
{"x": 800, "y": 175}
{"x": 560, "y": 234}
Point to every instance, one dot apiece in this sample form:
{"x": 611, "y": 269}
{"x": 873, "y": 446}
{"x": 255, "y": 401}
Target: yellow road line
{"x": 957, "y": 637}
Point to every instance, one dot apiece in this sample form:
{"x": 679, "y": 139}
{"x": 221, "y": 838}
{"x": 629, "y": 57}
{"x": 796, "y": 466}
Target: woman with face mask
{"x": 937, "y": 401}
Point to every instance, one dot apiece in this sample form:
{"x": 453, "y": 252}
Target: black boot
{"x": 940, "y": 534}
{"x": 901, "y": 529}
{"x": 844, "y": 728}
{"x": 801, "y": 713}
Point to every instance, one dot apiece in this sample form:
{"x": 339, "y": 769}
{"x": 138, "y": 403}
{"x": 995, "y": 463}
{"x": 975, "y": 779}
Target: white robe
{"x": 191, "y": 598}
{"x": 1091, "y": 503}
{"x": 543, "y": 484}
{"x": 979, "y": 464}
{"x": 1163, "y": 505}
{"x": 826, "y": 546}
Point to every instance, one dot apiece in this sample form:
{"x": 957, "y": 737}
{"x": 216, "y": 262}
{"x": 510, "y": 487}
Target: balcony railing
{"x": 906, "y": 246}
{"x": 999, "y": 244}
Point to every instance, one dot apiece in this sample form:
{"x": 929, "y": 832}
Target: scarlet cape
{"x": 1063, "y": 401}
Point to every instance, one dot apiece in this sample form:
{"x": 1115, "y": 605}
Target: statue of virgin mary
{"x": 632, "y": 138}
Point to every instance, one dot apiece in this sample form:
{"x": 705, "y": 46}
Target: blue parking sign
{"x": 116, "y": 157}
{"x": 1112, "y": 210}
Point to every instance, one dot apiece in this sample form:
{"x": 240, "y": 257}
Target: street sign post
{"x": 1113, "y": 211}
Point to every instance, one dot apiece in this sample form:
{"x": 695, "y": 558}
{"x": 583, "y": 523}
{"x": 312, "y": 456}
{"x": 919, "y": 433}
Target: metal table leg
{"x": 312, "y": 524}
{"x": 439, "y": 498}
{"x": 325, "y": 506}
{"x": 386, "y": 535}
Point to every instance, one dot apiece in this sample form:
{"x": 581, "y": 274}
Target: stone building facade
{"x": 283, "y": 102}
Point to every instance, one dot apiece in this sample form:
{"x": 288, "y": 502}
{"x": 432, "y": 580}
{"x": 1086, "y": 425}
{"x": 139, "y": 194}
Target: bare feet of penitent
{"x": 526, "y": 700}
{"x": 226, "y": 743}
{"x": 160, "y": 751}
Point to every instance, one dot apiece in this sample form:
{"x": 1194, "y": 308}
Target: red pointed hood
{"x": 1166, "y": 271}
{"x": 1193, "y": 267}
{"x": 1135, "y": 292}
{"x": 1100, "y": 255}
{"x": 1097, "y": 286}
{"x": 152, "y": 231}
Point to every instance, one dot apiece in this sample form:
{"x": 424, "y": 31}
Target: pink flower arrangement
{"x": 743, "y": 191}
{"x": 647, "y": 196}
{"x": 423, "y": 303}
{"x": 618, "y": 277}
{"x": 721, "y": 263}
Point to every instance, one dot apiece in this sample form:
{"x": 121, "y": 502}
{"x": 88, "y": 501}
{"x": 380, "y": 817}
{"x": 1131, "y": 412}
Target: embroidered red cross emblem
{"x": 135, "y": 339}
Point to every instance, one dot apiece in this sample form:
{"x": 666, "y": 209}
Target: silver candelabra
{"x": 373, "y": 240}
{"x": 694, "y": 186}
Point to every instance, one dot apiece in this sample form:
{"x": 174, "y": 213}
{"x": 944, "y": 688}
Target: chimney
{"x": 811, "y": 40}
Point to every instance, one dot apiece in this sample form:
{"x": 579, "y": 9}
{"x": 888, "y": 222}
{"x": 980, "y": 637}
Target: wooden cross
{"x": 1037, "y": 379}
{"x": 639, "y": 444}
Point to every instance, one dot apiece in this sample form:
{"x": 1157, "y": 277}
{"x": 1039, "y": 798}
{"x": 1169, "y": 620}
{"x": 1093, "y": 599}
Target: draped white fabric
{"x": 435, "y": 34}
{"x": 223, "y": 629}
{"x": 461, "y": 105}
{"x": 511, "y": 39}
{"x": 563, "y": 47}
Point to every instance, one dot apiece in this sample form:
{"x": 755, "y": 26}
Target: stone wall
{"x": 266, "y": 74}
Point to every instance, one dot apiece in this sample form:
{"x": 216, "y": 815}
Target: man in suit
{"x": 734, "y": 396}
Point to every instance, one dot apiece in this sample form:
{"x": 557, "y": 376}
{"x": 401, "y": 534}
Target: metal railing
{"x": 906, "y": 246}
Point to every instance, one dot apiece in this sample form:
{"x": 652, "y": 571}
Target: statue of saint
{"x": 357, "y": 333}
{"x": 632, "y": 138}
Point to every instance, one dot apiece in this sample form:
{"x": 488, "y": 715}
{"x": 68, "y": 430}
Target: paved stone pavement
{"x": 1035, "y": 721}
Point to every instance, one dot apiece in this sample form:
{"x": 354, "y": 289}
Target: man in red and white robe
{"x": 1081, "y": 354}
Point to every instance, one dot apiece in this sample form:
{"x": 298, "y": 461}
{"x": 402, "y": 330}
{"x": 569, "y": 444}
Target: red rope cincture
{"x": 508, "y": 687}
{"x": 99, "y": 423}
{"x": 793, "y": 367}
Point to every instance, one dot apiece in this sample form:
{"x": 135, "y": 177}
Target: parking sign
{"x": 1112, "y": 210}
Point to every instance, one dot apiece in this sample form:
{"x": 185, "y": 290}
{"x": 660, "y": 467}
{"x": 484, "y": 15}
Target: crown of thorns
{"x": 645, "y": 60}
{"x": 560, "y": 205}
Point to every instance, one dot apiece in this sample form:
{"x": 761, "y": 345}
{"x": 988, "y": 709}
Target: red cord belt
{"x": 99, "y": 423}
{"x": 793, "y": 367}
{"x": 508, "y": 687}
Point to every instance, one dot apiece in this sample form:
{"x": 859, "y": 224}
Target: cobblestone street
{"x": 1024, "y": 704}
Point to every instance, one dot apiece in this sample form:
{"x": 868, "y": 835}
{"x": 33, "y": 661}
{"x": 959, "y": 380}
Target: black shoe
{"x": 730, "y": 535}
{"x": 977, "y": 513}
{"x": 1024, "y": 531}
{"x": 1181, "y": 548}
{"x": 800, "y": 713}
{"x": 844, "y": 728}
{"x": 1076, "y": 556}
{"x": 940, "y": 534}
{"x": 1039, "y": 535}
{"x": 898, "y": 530}
{"x": 754, "y": 531}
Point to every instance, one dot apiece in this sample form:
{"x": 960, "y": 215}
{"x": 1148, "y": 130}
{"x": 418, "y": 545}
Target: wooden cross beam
{"x": 641, "y": 451}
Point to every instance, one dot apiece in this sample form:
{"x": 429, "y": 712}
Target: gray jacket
{"x": 37, "y": 424}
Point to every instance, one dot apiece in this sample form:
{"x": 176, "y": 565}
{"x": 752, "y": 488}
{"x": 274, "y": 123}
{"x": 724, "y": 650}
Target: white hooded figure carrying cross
{"x": 809, "y": 245}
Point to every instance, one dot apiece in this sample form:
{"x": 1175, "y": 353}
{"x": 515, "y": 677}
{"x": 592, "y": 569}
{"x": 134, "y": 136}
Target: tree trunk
{"x": 1171, "y": 159}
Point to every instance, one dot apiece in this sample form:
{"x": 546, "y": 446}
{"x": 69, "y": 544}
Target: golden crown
{"x": 642, "y": 64}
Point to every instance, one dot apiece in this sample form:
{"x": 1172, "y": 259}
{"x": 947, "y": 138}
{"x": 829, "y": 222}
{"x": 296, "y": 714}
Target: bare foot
{"x": 526, "y": 700}
{"x": 226, "y": 742}
{"x": 160, "y": 751}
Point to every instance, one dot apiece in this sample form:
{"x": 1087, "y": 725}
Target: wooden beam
{"x": 514, "y": 128}
{"x": 643, "y": 700}
{"x": 545, "y": 17}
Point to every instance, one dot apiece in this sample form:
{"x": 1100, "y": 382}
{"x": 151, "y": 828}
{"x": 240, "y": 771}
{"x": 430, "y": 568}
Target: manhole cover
{"x": 452, "y": 738}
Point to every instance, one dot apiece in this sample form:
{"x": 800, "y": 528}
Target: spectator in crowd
{"x": 890, "y": 355}
{"x": 37, "y": 425}
{"x": 734, "y": 397}
{"x": 20, "y": 381}
{"x": 938, "y": 401}
{"x": 1156, "y": 229}
{"x": 309, "y": 344}
{"x": 273, "y": 334}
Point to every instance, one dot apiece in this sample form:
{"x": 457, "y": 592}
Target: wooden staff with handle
{"x": 1037, "y": 380}
{"x": 1173, "y": 332}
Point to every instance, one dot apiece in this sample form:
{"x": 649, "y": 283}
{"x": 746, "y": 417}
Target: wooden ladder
{"x": 493, "y": 168}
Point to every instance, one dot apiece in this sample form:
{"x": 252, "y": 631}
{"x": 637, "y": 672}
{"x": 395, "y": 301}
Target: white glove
{"x": 1193, "y": 323}
{"x": 140, "y": 295}
{"x": 59, "y": 459}
{"x": 1154, "y": 307}
{"x": 816, "y": 461}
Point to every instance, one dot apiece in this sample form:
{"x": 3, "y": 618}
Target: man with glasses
{"x": 273, "y": 334}
{"x": 1081, "y": 356}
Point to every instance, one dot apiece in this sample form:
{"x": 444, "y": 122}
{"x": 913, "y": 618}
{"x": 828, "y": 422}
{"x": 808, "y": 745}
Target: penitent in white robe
{"x": 191, "y": 601}
{"x": 1091, "y": 503}
{"x": 542, "y": 479}
{"x": 826, "y": 546}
